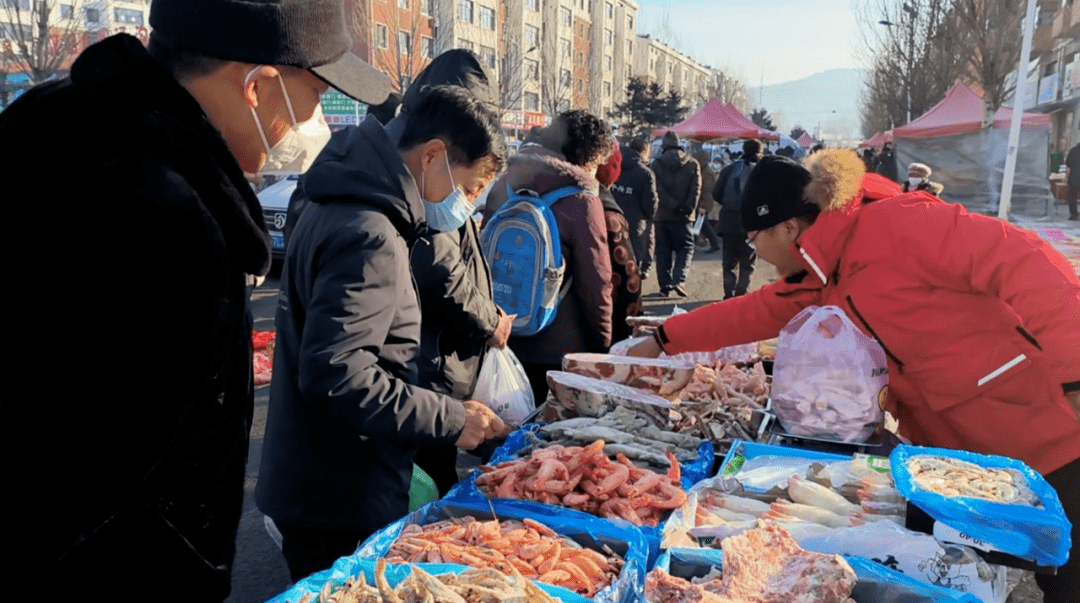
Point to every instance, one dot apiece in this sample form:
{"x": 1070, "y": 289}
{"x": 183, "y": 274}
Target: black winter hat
{"x": 671, "y": 139}
{"x": 775, "y": 191}
{"x": 309, "y": 34}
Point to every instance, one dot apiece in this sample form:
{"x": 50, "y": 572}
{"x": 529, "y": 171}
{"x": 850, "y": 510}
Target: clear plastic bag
{"x": 504, "y": 387}
{"x": 830, "y": 379}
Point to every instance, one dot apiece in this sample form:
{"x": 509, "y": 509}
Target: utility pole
{"x": 1017, "y": 114}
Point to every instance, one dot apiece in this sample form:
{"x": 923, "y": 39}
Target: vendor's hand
{"x": 481, "y": 424}
{"x": 502, "y": 332}
{"x": 646, "y": 349}
{"x": 1074, "y": 400}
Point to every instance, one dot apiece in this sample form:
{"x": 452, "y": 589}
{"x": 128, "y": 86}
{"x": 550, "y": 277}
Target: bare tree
{"x": 40, "y": 36}
{"x": 989, "y": 29}
{"x": 399, "y": 42}
{"x": 557, "y": 85}
{"x": 912, "y": 56}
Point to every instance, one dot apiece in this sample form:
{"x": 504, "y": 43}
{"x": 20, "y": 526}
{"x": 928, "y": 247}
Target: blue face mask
{"x": 452, "y": 213}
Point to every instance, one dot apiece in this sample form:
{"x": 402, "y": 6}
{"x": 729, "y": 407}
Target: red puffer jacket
{"x": 980, "y": 320}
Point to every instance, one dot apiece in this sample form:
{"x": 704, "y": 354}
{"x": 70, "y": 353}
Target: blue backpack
{"x": 522, "y": 246}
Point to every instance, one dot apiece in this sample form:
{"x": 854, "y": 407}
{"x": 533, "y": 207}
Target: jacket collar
{"x": 133, "y": 88}
{"x": 821, "y": 246}
{"x": 542, "y": 170}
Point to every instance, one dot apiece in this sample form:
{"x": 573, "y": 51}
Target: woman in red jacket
{"x": 980, "y": 319}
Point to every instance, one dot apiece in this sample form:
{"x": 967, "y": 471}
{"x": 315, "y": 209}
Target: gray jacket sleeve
{"x": 447, "y": 289}
{"x": 356, "y": 294}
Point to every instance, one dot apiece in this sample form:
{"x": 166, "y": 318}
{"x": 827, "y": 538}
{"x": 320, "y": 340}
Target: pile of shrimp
{"x": 527, "y": 547}
{"x": 587, "y": 480}
{"x": 729, "y": 384}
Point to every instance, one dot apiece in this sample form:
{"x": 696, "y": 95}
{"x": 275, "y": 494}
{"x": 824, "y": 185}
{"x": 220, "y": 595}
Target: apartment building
{"x": 1053, "y": 85}
{"x": 583, "y": 74}
{"x": 672, "y": 70}
{"x": 614, "y": 23}
{"x": 520, "y": 74}
{"x": 401, "y": 36}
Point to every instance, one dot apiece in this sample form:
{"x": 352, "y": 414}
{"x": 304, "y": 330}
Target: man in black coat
{"x": 738, "y": 253}
{"x": 1072, "y": 162}
{"x": 345, "y": 417}
{"x": 129, "y": 443}
{"x": 678, "y": 182}
{"x": 635, "y": 192}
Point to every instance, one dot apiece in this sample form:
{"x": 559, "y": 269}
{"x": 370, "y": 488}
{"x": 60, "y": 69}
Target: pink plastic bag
{"x": 830, "y": 379}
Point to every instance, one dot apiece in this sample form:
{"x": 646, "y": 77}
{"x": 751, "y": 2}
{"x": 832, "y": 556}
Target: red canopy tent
{"x": 962, "y": 111}
{"x": 878, "y": 140}
{"x": 806, "y": 141}
{"x": 716, "y": 120}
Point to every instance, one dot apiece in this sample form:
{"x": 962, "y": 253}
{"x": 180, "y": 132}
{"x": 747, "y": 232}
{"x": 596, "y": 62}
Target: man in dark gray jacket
{"x": 345, "y": 417}
{"x": 635, "y": 192}
{"x": 678, "y": 181}
{"x": 738, "y": 253}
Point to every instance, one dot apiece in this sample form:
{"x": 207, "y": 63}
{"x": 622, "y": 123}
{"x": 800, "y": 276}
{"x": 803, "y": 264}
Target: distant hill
{"x": 829, "y": 98}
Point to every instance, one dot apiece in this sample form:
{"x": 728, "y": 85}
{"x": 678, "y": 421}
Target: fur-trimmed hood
{"x": 836, "y": 179}
{"x": 542, "y": 170}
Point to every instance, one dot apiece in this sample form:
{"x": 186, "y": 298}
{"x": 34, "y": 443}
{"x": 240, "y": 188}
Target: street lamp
{"x": 522, "y": 101}
{"x": 910, "y": 51}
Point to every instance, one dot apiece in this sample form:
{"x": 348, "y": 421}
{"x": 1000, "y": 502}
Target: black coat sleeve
{"x": 447, "y": 288}
{"x": 355, "y": 297}
{"x": 647, "y": 196}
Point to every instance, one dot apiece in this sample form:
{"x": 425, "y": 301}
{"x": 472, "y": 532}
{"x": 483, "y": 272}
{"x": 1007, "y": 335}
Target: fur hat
{"x": 779, "y": 189}
{"x": 919, "y": 170}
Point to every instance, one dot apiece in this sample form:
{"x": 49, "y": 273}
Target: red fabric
{"x": 876, "y": 187}
{"x": 945, "y": 291}
{"x": 261, "y": 339}
{"x": 716, "y": 120}
{"x": 962, "y": 111}
{"x": 878, "y": 140}
{"x": 608, "y": 173}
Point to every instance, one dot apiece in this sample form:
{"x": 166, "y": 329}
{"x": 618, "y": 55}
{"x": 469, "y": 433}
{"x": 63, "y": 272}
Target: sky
{"x": 778, "y": 40}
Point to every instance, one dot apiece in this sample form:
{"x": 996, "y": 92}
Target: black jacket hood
{"x": 362, "y": 163}
{"x": 631, "y": 159}
{"x": 455, "y": 67}
{"x": 674, "y": 157}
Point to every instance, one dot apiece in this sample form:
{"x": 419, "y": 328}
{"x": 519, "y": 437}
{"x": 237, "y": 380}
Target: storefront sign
{"x": 1048, "y": 88}
{"x": 340, "y": 110}
{"x": 523, "y": 120}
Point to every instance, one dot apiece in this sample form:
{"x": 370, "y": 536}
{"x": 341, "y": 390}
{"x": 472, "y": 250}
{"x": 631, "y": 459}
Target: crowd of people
{"x": 387, "y": 302}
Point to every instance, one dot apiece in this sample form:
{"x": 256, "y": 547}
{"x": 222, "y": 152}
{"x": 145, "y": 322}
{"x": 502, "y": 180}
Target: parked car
{"x": 275, "y": 204}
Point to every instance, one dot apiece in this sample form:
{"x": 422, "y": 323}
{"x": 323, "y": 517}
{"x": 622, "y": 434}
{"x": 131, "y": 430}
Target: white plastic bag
{"x": 503, "y": 386}
{"x": 829, "y": 380}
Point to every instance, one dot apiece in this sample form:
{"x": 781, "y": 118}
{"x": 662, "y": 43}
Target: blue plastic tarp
{"x": 1040, "y": 535}
{"x": 583, "y": 528}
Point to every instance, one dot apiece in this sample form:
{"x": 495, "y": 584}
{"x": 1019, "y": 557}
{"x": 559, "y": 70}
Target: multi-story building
{"x": 402, "y": 38}
{"x": 1054, "y": 86}
{"x": 582, "y": 74}
{"x": 557, "y": 55}
{"x": 614, "y": 30}
{"x": 473, "y": 25}
{"x": 658, "y": 62}
{"x": 520, "y": 84}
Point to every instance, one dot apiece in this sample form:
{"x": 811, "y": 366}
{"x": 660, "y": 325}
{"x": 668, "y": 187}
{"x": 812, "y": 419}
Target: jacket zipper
{"x": 1028, "y": 336}
{"x": 874, "y": 334}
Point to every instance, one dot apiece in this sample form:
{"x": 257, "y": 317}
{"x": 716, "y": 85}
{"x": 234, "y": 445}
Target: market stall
{"x": 718, "y": 121}
{"x": 614, "y": 491}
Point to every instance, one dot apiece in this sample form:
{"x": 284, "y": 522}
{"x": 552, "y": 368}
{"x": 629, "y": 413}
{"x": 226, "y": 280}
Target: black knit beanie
{"x": 671, "y": 140}
{"x": 775, "y": 191}
{"x": 310, "y": 34}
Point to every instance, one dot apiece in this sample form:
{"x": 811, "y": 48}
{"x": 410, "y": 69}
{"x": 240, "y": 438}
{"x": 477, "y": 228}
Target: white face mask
{"x": 914, "y": 181}
{"x": 294, "y": 153}
{"x": 453, "y": 211}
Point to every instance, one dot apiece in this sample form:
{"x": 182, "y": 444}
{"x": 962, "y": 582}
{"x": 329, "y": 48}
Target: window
{"x": 11, "y": 31}
{"x": 565, "y": 17}
{"x": 629, "y": 23}
{"x": 487, "y": 55}
{"x": 565, "y": 78}
{"x": 404, "y": 42}
{"x": 629, "y": 48}
{"x": 609, "y": 63}
{"x": 465, "y": 11}
{"x": 533, "y": 4}
{"x": 609, "y": 10}
{"x": 17, "y": 4}
{"x": 128, "y": 16}
{"x": 580, "y": 86}
{"x": 607, "y": 88}
{"x": 487, "y": 17}
{"x": 580, "y": 58}
{"x": 428, "y": 47}
{"x": 382, "y": 35}
{"x": 532, "y": 69}
{"x": 532, "y": 36}
{"x": 66, "y": 11}
{"x": 427, "y": 8}
{"x": 467, "y": 45}
{"x": 403, "y": 3}
{"x": 93, "y": 16}
{"x": 609, "y": 37}
{"x": 532, "y": 101}
{"x": 564, "y": 47}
